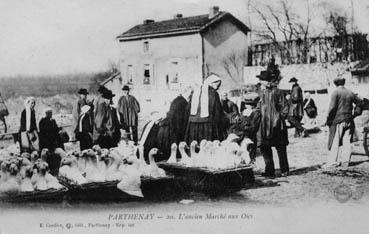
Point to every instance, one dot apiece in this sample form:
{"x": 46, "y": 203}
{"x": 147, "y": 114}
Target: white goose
{"x": 185, "y": 159}
{"x": 153, "y": 170}
{"x": 194, "y": 156}
{"x": 173, "y": 154}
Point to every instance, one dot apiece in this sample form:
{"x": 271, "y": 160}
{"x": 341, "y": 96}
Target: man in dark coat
{"x": 296, "y": 108}
{"x": 341, "y": 124}
{"x": 106, "y": 128}
{"x": 128, "y": 108}
{"x": 206, "y": 114}
{"x": 273, "y": 130}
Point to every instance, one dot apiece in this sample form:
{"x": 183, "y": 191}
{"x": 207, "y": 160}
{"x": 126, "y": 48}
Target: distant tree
{"x": 281, "y": 27}
{"x": 233, "y": 64}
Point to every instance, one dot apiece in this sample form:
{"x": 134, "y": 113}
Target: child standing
{"x": 248, "y": 124}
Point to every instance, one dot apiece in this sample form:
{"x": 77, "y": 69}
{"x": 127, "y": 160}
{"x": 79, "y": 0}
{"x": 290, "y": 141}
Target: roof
{"x": 112, "y": 77}
{"x": 362, "y": 68}
{"x": 178, "y": 26}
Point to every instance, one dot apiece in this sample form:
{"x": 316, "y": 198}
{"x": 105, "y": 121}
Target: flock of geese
{"x": 124, "y": 163}
{"x": 214, "y": 155}
{"x": 26, "y": 172}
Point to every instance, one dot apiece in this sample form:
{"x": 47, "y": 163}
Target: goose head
{"x": 182, "y": 146}
{"x": 34, "y": 156}
{"x": 245, "y": 142}
{"x": 28, "y": 171}
{"x": 152, "y": 152}
{"x": 97, "y": 149}
{"x": 193, "y": 147}
{"x": 173, "y": 153}
{"x": 13, "y": 169}
{"x": 60, "y": 152}
{"x": 26, "y": 155}
{"x": 203, "y": 144}
{"x": 231, "y": 137}
{"x": 173, "y": 147}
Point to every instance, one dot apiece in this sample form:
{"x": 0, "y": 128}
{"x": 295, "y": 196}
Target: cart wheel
{"x": 366, "y": 143}
{"x": 3, "y": 128}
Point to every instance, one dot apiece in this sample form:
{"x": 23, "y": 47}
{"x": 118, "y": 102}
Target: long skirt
{"x": 203, "y": 131}
{"x": 29, "y": 141}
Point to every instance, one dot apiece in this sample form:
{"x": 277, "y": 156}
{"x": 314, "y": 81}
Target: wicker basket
{"x": 96, "y": 191}
{"x": 210, "y": 182}
{"x": 50, "y": 195}
{"x": 162, "y": 189}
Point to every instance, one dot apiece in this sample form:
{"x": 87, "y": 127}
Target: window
{"x": 174, "y": 72}
{"x": 146, "y": 46}
{"x": 130, "y": 78}
{"x": 148, "y": 74}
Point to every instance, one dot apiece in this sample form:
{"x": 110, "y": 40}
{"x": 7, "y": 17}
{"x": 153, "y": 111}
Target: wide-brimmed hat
{"x": 293, "y": 79}
{"x": 108, "y": 94}
{"x": 125, "y": 88}
{"x": 83, "y": 91}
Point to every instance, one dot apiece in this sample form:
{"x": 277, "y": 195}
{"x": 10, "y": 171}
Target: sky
{"x": 42, "y": 37}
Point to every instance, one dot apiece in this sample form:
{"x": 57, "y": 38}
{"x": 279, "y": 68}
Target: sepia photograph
{"x": 184, "y": 116}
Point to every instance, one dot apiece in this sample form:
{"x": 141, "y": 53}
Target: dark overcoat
{"x": 49, "y": 134}
{"x": 128, "y": 108}
{"x": 274, "y": 110}
{"x": 177, "y": 118}
{"x": 296, "y": 107}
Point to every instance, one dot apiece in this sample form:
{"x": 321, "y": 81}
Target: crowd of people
{"x": 198, "y": 114}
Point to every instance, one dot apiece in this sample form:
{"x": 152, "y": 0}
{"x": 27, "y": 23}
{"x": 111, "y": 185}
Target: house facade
{"x": 158, "y": 57}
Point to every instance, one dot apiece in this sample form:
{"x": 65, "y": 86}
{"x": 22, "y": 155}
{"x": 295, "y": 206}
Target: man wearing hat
{"x": 128, "y": 109}
{"x": 106, "y": 131}
{"x": 341, "y": 124}
{"x": 82, "y": 101}
{"x": 273, "y": 131}
{"x": 296, "y": 108}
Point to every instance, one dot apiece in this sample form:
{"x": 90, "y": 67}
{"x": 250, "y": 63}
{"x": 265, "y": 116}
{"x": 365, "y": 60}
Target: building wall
{"x": 165, "y": 58}
{"x": 225, "y": 53}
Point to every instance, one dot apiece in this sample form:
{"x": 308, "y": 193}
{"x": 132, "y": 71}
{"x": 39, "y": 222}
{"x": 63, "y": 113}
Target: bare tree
{"x": 233, "y": 64}
{"x": 280, "y": 24}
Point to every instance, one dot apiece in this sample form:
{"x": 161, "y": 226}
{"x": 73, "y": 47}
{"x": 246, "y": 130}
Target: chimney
{"x": 148, "y": 21}
{"x": 178, "y": 16}
{"x": 214, "y": 10}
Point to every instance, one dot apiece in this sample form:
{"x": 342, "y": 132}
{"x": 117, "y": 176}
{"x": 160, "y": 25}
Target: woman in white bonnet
{"x": 84, "y": 128}
{"x": 28, "y": 127}
{"x": 206, "y": 117}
